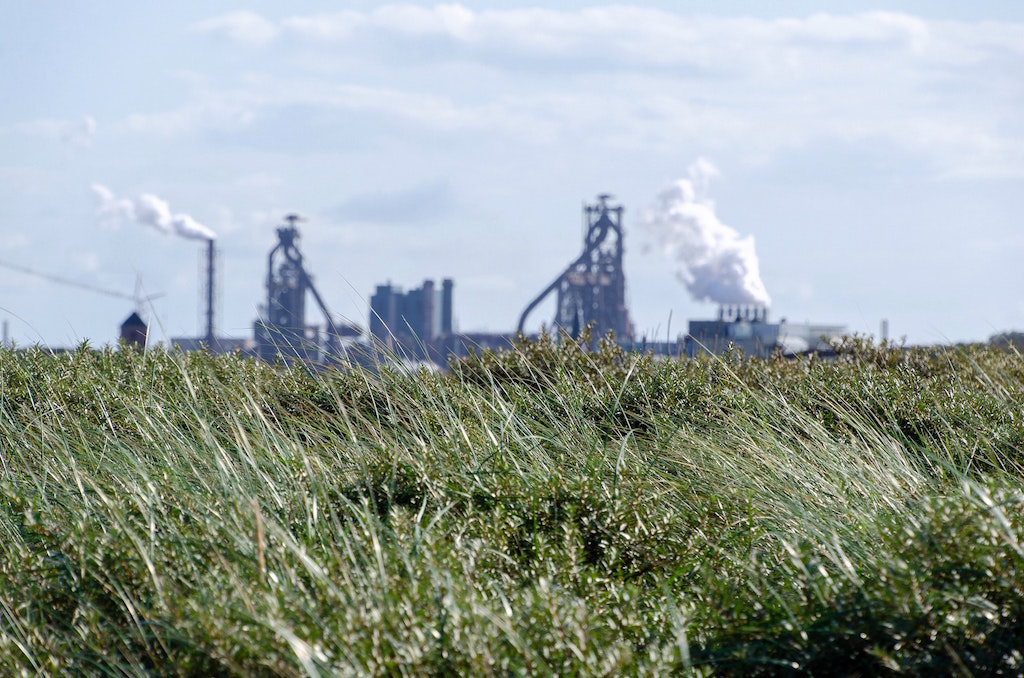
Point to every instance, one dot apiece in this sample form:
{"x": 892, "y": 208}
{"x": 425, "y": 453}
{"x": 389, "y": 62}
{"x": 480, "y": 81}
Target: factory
{"x": 747, "y": 329}
{"x": 591, "y": 292}
{"x": 417, "y": 326}
{"x": 417, "y": 323}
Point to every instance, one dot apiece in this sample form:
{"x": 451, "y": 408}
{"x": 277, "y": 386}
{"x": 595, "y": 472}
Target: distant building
{"x": 134, "y": 331}
{"x": 416, "y": 323}
{"x": 747, "y": 329}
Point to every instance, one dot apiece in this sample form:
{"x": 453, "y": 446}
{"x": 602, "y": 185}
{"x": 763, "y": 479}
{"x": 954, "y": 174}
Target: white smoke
{"x": 148, "y": 210}
{"x": 711, "y": 258}
{"x": 112, "y": 210}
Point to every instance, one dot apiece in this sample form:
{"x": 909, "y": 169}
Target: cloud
{"x": 633, "y": 35}
{"x": 22, "y": 180}
{"x": 259, "y": 181}
{"x": 86, "y": 261}
{"x": 890, "y": 29}
{"x": 247, "y": 28}
{"x": 410, "y": 206}
{"x": 13, "y": 241}
{"x": 295, "y": 114}
{"x": 218, "y": 113}
{"x": 80, "y": 132}
{"x": 628, "y": 78}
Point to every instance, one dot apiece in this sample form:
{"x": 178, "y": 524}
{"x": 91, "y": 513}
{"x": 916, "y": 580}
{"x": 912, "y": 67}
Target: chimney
{"x": 210, "y": 294}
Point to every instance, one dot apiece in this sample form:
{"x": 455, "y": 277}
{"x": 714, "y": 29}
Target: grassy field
{"x": 542, "y": 511}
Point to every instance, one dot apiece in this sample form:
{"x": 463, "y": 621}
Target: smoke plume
{"x": 148, "y": 210}
{"x": 712, "y": 260}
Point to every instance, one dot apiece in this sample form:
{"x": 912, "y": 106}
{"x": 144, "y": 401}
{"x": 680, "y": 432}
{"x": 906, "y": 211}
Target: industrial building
{"x": 747, "y": 328}
{"x": 281, "y": 331}
{"x": 418, "y": 325}
{"x": 591, "y": 292}
{"x": 135, "y": 331}
{"x": 414, "y": 324}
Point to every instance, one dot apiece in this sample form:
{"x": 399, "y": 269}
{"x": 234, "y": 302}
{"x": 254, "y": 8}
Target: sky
{"x": 865, "y": 159}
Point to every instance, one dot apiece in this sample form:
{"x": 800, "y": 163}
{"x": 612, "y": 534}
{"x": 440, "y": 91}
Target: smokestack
{"x": 210, "y": 294}
{"x": 713, "y": 261}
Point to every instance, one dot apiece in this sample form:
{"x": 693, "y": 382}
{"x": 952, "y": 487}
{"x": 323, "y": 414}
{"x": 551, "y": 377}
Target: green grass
{"x": 536, "y": 512}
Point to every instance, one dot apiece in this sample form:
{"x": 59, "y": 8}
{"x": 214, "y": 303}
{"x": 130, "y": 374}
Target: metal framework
{"x": 592, "y": 290}
{"x": 285, "y": 331}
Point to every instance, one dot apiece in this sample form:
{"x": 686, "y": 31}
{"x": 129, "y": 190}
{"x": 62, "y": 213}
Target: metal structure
{"x": 282, "y": 331}
{"x": 138, "y": 297}
{"x": 592, "y": 290}
{"x": 208, "y": 293}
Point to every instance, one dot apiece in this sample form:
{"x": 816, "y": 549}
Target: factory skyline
{"x": 873, "y": 152}
{"x": 589, "y": 295}
{"x": 419, "y": 323}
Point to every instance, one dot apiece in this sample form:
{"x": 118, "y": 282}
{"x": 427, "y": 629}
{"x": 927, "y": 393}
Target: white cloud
{"x": 259, "y": 181}
{"x": 13, "y": 241}
{"x": 409, "y": 20}
{"x": 23, "y": 180}
{"x": 86, "y": 261}
{"x": 213, "y": 113}
{"x": 871, "y": 28}
{"x": 247, "y": 28}
{"x": 637, "y": 78}
{"x": 79, "y": 132}
{"x": 632, "y": 35}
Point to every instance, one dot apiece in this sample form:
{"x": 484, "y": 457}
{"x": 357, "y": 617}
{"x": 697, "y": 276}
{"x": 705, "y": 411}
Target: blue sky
{"x": 873, "y": 151}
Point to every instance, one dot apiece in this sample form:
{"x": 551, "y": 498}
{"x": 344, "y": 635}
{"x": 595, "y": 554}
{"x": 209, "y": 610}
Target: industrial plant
{"x": 591, "y": 292}
{"x": 417, "y": 325}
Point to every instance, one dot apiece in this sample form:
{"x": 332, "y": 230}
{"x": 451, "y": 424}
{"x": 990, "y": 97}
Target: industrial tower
{"x": 282, "y": 329}
{"x": 593, "y": 288}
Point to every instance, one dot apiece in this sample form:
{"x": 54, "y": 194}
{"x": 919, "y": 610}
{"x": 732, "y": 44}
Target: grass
{"x": 539, "y": 511}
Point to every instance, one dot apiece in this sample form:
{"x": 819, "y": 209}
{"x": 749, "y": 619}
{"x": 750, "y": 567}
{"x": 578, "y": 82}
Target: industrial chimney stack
{"x": 209, "y": 294}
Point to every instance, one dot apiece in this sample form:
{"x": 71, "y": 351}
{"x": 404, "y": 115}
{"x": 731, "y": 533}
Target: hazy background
{"x": 873, "y": 151}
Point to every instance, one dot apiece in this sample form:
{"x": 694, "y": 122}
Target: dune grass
{"x": 540, "y": 511}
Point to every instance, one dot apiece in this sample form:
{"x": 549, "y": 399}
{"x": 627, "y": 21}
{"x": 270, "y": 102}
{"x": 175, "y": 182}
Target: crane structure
{"x": 137, "y": 297}
{"x": 592, "y": 290}
{"x": 282, "y": 330}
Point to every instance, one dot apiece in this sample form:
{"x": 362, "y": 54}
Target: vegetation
{"x": 539, "y": 511}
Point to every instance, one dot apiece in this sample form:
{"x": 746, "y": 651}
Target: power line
{"x": 136, "y": 297}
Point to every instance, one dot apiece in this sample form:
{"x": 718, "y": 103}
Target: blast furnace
{"x": 282, "y": 331}
{"x": 592, "y": 290}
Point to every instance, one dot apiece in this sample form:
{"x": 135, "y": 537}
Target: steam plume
{"x": 148, "y": 210}
{"x": 712, "y": 260}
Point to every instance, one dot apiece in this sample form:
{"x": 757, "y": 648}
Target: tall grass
{"x": 545, "y": 510}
